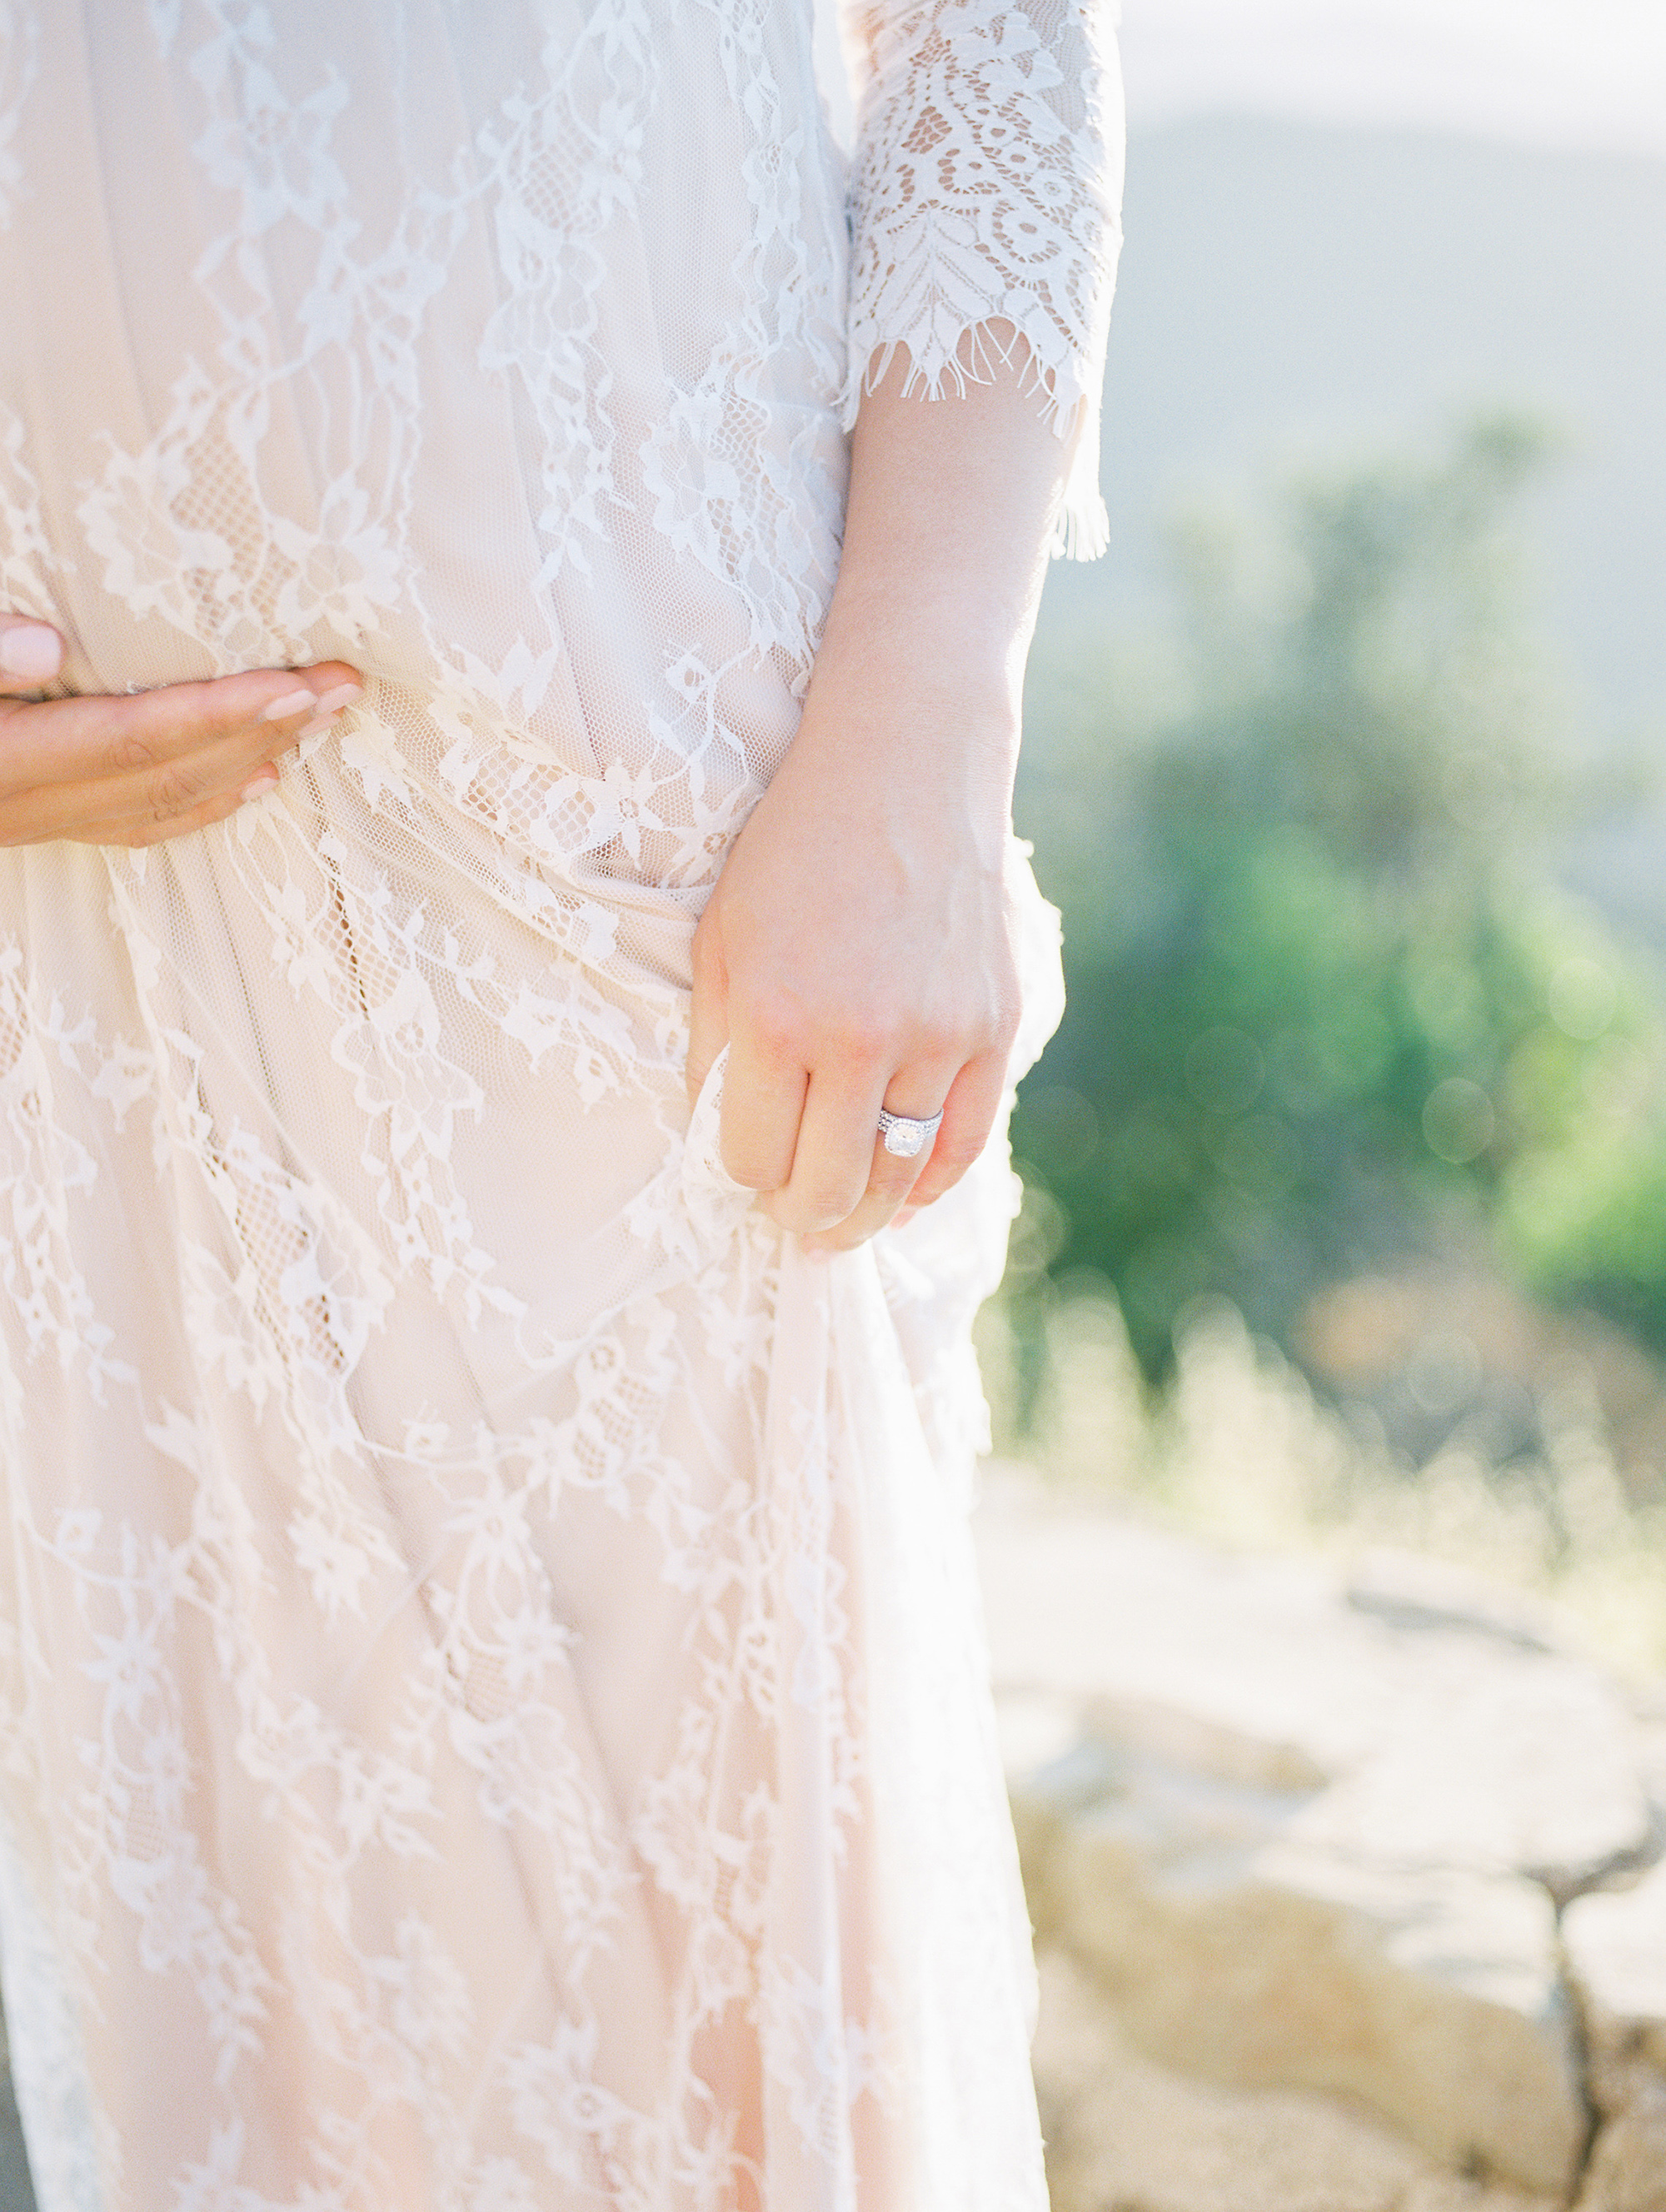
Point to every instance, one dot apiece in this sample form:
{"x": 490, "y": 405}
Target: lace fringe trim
{"x": 1081, "y": 529}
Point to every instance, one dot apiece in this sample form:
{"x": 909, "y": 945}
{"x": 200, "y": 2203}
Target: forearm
{"x": 950, "y": 509}
{"x": 857, "y": 949}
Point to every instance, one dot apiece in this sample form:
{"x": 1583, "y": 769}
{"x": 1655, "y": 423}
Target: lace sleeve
{"x": 987, "y": 186}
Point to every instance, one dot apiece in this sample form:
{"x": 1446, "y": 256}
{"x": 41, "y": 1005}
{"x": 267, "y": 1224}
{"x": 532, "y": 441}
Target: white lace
{"x": 492, "y": 1710}
{"x": 986, "y": 189}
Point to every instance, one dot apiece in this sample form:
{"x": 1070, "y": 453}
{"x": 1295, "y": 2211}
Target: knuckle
{"x": 755, "y": 1158}
{"x": 133, "y": 832}
{"x": 1003, "y": 1025}
{"x": 846, "y": 1239}
{"x": 776, "y": 1025}
{"x": 748, "y": 1169}
{"x": 867, "y": 1035}
{"x": 158, "y": 828}
{"x": 174, "y": 790}
{"x": 995, "y": 1032}
{"x": 201, "y": 817}
{"x": 941, "y": 1038}
{"x": 750, "y": 1178}
{"x": 133, "y": 753}
{"x": 847, "y": 1190}
{"x": 812, "y": 1212}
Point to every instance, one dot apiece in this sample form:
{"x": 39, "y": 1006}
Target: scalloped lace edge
{"x": 1067, "y": 390}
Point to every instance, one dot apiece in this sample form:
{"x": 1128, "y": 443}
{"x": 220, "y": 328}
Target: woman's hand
{"x": 133, "y": 769}
{"x": 857, "y": 953}
{"x": 856, "y": 950}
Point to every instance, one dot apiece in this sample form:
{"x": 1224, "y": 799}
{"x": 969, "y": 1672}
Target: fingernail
{"x": 319, "y": 722}
{"x": 339, "y": 696}
{"x": 257, "y": 787}
{"x": 292, "y": 702}
{"x": 30, "y": 649}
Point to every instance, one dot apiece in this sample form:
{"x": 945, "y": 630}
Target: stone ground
{"x": 1345, "y": 1886}
{"x": 1349, "y": 1889}
{"x": 1126, "y": 2134}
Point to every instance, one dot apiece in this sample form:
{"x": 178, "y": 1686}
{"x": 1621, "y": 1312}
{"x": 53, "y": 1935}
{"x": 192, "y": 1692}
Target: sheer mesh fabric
{"x": 494, "y": 1700}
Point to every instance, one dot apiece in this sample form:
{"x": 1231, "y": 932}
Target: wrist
{"x": 931, "y": 731}
{"x": 909, "y": 771}
{"x": 903, "y": 686}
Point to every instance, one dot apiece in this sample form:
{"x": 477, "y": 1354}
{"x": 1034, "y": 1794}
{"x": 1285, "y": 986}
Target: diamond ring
{"x": 904, "y": 1136}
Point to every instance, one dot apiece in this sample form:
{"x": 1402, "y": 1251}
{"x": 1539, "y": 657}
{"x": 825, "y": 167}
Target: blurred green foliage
{"x": 1327, "y": 1008}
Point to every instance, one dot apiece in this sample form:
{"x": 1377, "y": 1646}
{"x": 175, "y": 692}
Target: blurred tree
{"x": 1327, "y": 1007}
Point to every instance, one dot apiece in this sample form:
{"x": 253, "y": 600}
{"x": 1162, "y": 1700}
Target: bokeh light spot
{"x": 1458, "y": 1120}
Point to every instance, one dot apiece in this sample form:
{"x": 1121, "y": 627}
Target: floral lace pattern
{"x": 492, "y": 1706}
{"x": 987, "y": 186}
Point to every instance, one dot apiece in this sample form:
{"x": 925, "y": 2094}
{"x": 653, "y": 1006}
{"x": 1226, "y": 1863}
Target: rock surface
{"x": 1616, "y": 1945}
{"x": 1627, "y": 2168}
{"x": 1616, "y": 1951}
{"x": 1124, "y": 2132}
{"x": 1303, "y": 1839}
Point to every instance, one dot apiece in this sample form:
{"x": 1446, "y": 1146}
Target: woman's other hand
{"x": 132, "y": 770}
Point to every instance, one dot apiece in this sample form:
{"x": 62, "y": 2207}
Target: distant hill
{"x": 1290, "y": 292}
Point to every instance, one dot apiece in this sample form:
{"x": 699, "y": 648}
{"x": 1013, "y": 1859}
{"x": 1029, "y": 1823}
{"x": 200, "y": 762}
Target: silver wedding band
{"x": 904, "y": 1137}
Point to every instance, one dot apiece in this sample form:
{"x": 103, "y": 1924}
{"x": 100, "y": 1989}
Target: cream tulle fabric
{"x": 494, "y": 1712}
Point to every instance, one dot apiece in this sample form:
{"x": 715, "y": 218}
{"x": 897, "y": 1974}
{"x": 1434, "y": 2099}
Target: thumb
{"x": 708, "y": 1007}
{"x": 31, "y": 654}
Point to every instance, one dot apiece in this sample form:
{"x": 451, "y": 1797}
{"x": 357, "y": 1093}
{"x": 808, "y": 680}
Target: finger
{"x": 968, "y": 1116}
{"x": 175, "y": 789}
{"x": 31, "y": 654}
{"x": 141, "y": 808}
{"x": 709, "y": 1007}
{"x": 763, "y": 1095}
{"x": 833, "y": 1158}
{"x": 143, "y": 734}
{"x": 891, "y": 1178}
{"x": 134, "y": 832}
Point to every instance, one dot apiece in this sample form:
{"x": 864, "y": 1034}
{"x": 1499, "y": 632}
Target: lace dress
{"x": 492, "y": 1703}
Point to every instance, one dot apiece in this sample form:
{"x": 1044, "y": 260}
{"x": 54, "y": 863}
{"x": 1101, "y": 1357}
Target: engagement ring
{"x": 904, "y": 1136}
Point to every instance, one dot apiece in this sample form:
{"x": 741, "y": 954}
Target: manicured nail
{"x": 319, "y": 722}
{"x": 292, "y": 702}
{"x": 30, "y": 649}
{"x": 339, "y": 696}
{"x": 258, "y": 785}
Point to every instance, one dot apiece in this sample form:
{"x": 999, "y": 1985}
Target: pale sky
{"x": 1581, "y": 73}
{"x": 1575, "y": 73}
